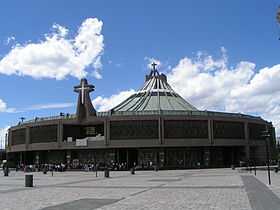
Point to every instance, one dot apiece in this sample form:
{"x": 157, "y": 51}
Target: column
{"x": 127, "y": 158}
{"x": 162, "y": 131}
{"x": 37, "y": 159}
{"x": 107, "y": 132}
{"x": 20, "y": 158}
{"x": 159, "y": 131}
{"x": 247, "y": 147}
{"x": 209, "y": 132}
{"x": 27, "y": 137}
{"x": 68, "y": 158}
{"x": 59, "y": 133}
{"x": 206, "y": 157}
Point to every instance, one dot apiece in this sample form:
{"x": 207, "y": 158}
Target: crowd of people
{"x": 41, "y": 167}
{"x": 60, "y": 167}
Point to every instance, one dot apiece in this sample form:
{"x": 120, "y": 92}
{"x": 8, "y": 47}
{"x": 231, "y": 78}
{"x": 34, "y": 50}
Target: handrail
{"x": 39, "y": 119}
{"x": 151, "y": 112}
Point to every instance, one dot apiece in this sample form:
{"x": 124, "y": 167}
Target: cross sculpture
{"x": 154, "y": 66}
{"x": 22, "y": 118}
{"x": 83, "y": 88}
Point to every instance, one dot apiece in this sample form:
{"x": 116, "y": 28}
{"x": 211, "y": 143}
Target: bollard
{"x": 156, "y": 168}
{"x": 29, "y": 180}
{"x": 45, "y": 170}
{"x": 276, "y": 169}
{"x": 6, "y": 172}
{"x": 132, "y": 170}
{"x": 106, "y": 173}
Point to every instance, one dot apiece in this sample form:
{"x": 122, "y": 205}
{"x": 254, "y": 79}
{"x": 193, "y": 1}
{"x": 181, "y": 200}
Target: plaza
{"x": 169, "y": 189}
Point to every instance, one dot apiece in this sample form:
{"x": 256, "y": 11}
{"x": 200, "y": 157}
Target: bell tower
{"x": 84, "y": 106}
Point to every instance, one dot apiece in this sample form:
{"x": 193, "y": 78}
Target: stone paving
{"x": 178, "y": 189}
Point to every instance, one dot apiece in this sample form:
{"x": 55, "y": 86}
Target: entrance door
{"x": 132, "y": 157}
{"x": 122, "y": 156}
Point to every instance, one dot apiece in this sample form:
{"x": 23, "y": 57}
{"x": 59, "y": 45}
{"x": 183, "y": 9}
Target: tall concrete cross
{"x": 82, "y": 88}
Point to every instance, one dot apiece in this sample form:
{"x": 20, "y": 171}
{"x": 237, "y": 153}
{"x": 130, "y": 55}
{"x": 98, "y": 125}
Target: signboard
{"x": 81, "y": 142}
{"x": 96, "y": 138}
{"x": 69, "y": 139}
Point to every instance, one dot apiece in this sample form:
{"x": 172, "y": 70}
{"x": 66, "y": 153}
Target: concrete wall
{"x": 107, "y": 143}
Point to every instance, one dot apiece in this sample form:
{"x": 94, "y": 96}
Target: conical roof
{"x": 155, "y": 95}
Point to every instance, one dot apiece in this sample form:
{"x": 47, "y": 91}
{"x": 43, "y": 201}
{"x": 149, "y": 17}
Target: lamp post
{"x": 266, "y": 135}
{"x": 22, "y": 119}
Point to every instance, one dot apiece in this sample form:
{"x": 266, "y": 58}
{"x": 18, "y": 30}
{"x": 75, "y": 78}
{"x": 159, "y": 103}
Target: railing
{"x": 184, "y": 113}
{"x": 152, "y": 112}
{"x": 39, "y": 119}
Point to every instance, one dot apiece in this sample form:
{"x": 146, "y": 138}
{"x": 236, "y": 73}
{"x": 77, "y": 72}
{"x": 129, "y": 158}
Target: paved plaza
{"x": 178, "y": 189}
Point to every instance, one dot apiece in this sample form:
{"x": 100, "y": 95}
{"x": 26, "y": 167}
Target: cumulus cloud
{"x": 208, "y": 82}
{"x": 3, "y": 132}
{"x": 57, "y": 56}
{"x": 5, "y": 108}
{"x": 107, "y": 103}
{"x": 211, "y": 84}
{"x": 10, "y": 40}
{"x": 49, "y": 106}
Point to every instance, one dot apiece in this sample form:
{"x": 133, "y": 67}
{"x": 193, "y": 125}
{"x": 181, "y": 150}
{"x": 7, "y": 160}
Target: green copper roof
{"x": 156, "y": 94}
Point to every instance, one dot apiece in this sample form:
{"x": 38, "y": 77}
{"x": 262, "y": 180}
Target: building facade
{"x": 154, "y": 126}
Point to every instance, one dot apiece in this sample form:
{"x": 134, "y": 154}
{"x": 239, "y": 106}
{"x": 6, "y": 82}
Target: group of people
{"x": 86, "y": 166}
{"x": 41, "y": 167}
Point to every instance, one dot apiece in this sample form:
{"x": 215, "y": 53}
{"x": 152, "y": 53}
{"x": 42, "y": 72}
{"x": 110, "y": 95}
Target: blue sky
{"x": 167, "y": 31}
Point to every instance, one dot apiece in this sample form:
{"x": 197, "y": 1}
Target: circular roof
{"x": 156, "y": 94}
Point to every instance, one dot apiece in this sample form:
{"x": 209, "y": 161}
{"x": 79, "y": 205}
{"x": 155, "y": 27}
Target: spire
{"x": 84, "y": 106}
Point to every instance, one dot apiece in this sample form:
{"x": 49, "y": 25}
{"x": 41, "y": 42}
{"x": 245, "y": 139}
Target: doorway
{"x": 132, "y": 157}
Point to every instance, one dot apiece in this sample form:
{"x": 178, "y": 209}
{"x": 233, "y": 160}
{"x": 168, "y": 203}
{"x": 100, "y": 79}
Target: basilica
{"x": 154, "y": 126}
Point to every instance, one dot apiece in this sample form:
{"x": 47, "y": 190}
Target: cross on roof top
{"x": 83, "y": 88}
{"x": 154, "y": 66}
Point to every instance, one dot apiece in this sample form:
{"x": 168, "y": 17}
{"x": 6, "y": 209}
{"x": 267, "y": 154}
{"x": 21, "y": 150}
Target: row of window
{"x": 142, "y": 129}
{"x": 134, "y": 129}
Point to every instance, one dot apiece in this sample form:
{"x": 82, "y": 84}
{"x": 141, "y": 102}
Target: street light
{"x": 22, "y": 119}
{"x": 266, "y": 135}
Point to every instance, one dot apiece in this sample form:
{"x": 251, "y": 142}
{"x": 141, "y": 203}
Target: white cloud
{"x": 3, "y": 132}
{"x": 209, "y": 83}
{"x": 58, "y": 56}
{"x": 152, "y": 60}
{"x": 49, "y": 106}
{"x": 10, "y": 40}
{"x": 60, "y": 30}
{"x": 107, "y": 103}
{"x": 5, "y": 108}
